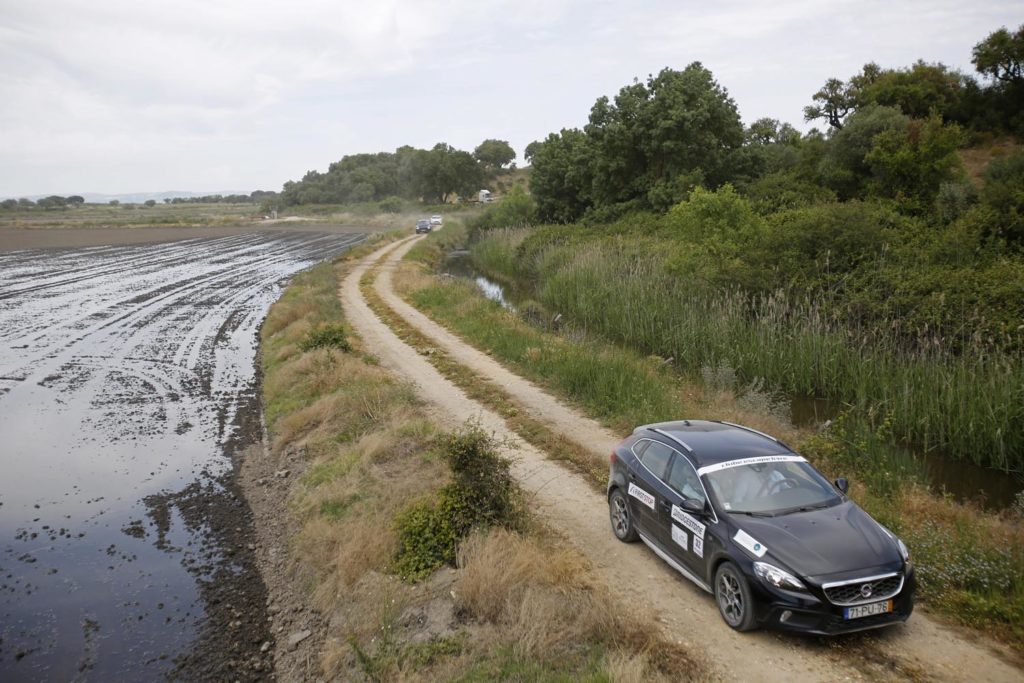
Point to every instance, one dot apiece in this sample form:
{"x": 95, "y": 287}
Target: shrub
{"x": 482, "y": 494}
{"x": 327, "y": 337}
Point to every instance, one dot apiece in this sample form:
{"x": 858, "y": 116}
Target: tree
{"x": 494, "y": 154}
{"x": 54, "y": 201}
{"x": 150, "y": 203}
{"x": 837, "y": 100}
{"x": 768, "y": 131}
{"x": 531, "y": 151}
{"x": 76, "y": 200}
{"x": 560, "y": 181}
{"x": 660, "y": 138}
{"x": 921, "y": 90}
{"x": 445, "y": 171}
{"x": 9, "y": 204}
{"x": 114, "y": 202}
{"x": 1001, "y": 56}
{"x": 842, "y": 166}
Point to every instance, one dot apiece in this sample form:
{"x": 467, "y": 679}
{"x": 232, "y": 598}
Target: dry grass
{"x": 547, "y": 604}
{"x": 976, "y": 159}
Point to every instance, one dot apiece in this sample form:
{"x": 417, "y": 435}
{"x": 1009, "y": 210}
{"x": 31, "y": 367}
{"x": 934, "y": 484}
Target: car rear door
{"x": 646, "y": 487}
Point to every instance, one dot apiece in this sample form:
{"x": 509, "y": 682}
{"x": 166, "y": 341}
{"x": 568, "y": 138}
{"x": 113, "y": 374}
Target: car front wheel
{"x": 622, "y": 520}
{"x": 732, "y": 593}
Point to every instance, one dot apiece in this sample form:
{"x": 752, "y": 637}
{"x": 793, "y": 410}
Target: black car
{"x": 423, "y": 225}
{"x": 749, "y": 520}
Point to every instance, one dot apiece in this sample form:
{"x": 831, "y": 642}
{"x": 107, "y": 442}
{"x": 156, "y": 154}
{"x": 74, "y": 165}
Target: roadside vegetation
{"x": 969, "y": 561}
{"x": 415, "y": 540}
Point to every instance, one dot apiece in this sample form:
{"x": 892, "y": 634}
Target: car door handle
{"x": 666, "y": 506}
{"x": 632, "y": 477}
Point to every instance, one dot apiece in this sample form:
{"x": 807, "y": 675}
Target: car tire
{"x": 735, "y": 601}
{"x": 621, "y": 518}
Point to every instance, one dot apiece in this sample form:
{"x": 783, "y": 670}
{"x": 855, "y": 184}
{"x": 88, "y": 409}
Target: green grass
{"x": 970, "y": 405}
{"x": 970, "y": 563}
{"x": 617, "y": 386}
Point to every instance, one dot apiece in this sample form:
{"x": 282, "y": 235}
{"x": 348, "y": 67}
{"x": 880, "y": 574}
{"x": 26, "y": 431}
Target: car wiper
{"x": 803, "y": 508}
{"x": 751, "y": 513}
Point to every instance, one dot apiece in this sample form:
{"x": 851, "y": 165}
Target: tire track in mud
{"x": 920, "y": 650}
{"x": 127, "y": 386}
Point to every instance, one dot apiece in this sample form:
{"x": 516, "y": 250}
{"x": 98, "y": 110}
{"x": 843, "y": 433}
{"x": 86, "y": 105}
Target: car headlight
{"x": 779, "y": 578}
{"x": 904, "y": 551}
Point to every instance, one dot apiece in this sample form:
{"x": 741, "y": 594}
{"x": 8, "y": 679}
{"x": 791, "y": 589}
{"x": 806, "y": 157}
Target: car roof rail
{"x": 751, "y": 429}
{"x": 673, "y": 438}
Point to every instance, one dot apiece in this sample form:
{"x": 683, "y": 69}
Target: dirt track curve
{"x": 920, "y": 650}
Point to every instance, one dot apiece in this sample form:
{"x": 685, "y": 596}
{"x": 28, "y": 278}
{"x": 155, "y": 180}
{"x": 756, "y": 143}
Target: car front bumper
{"x": 805, "y": 613}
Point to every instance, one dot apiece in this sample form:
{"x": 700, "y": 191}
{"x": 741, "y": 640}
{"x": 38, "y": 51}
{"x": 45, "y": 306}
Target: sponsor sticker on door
{"x": 641, "y": 495}
{"x": 698, "y": 546}
{"x": 679, "y": 536}
{"x": 687, "y": 521}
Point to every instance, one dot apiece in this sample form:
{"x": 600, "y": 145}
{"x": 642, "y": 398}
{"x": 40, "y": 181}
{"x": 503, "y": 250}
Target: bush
{"x": 515, "y": 210}
{"x": 1004, "y": 194}
{"x": 390, "y": 205}
{"x": 482, "y": 494}
{"x": 327, "y": 337}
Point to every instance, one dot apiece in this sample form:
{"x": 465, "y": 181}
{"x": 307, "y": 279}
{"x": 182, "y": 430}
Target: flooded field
{"x": 127, "y": 382}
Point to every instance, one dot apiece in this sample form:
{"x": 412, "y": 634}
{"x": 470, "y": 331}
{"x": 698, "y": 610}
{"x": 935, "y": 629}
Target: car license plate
{"x": 867, "y": 610}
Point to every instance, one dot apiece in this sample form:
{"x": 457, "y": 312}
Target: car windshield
{"x": 770, "y": 489}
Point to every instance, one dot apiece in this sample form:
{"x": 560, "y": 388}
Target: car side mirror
{"x": 842, "y": 485}
{"x": 693, "y": 506}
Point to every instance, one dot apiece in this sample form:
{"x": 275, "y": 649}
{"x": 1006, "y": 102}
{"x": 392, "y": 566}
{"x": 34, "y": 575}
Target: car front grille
{"x": 859, "y": 591}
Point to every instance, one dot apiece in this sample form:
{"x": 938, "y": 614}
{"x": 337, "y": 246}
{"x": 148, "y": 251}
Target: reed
{"x": 970, "y": 404}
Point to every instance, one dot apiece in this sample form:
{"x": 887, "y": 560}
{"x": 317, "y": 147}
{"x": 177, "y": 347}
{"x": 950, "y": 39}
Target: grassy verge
{"x": 970, "y": 563}
{"x": 425, "y": 573}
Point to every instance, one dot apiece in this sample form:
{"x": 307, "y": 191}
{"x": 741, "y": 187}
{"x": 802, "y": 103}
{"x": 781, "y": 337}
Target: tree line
{"x": 75, "y": 201}
{"x": 891, "y": 134}
{"x": 436, "y": 175}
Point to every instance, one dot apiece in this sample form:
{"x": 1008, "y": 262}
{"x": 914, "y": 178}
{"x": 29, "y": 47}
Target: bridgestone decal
{"x": 749, "y": 543}
{"x": 641, "y": 495}
{"x": 679, "y": 536}
{"x": 689, "y": 522}
{"x": 708, "y": 469}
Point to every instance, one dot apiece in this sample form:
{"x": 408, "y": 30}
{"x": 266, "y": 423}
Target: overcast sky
{"x": 126, "y": 95}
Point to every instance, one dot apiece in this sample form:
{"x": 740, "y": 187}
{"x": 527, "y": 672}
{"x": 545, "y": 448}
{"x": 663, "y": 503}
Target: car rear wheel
{"x": 732, "y": 593}
{"x": 622, "y": 520}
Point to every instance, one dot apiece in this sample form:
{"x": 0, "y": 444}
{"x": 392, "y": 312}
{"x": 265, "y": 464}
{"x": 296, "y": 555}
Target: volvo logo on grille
{"x": 866, "y": 590}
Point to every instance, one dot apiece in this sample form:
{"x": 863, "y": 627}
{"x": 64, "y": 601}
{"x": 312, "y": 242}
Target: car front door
{"x": 685, "y": 534}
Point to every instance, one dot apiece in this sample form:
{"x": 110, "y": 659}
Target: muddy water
{"x": 127, "y": 380}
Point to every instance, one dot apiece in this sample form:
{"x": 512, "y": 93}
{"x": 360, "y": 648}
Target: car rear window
{"x": 656, "y": 458}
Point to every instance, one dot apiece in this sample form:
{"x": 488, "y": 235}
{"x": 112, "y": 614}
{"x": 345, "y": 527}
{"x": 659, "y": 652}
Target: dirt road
{"x": 920, "y": 650}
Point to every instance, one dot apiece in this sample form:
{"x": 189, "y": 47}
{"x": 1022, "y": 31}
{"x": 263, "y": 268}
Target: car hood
{"x": 838, "y": 539}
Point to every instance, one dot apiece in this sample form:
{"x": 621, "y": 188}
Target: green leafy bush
{"x": 327, "y": 337}
{"x": 482, "y": 494}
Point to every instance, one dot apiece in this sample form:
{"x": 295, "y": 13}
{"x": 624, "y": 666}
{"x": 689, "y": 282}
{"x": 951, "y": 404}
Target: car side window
{"x": 655, "y": 458}
{"x": 683, "y": 479}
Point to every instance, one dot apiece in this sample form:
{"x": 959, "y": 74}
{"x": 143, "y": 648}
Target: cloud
{"x": 125, "y": 95}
